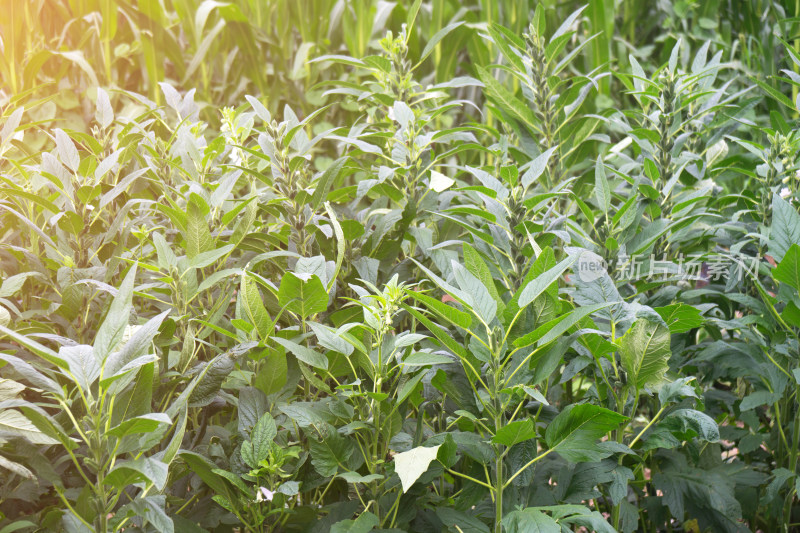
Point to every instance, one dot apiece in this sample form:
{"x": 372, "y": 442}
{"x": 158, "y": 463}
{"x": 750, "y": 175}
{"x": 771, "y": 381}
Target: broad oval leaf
{"x": 576, "y": 429}
{"x": 515, "y": 432}
{"x": 304, "y": 295}
{"x": 644, "y": 351}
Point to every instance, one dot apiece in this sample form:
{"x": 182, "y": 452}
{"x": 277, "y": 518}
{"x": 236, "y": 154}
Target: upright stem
{"x": 499, "y": 477}
{"x": 499, "y": 422}
{"x": 96, "y": 443}
{"x": 498, "y": 520}
{"x": 793, "y": 455}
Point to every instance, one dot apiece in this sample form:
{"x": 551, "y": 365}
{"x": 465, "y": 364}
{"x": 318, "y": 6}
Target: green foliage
{"x": 360, "y": 266}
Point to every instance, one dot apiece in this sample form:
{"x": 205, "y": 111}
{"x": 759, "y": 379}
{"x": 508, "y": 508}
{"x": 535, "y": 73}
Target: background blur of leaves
{"x": 57, "y": 52}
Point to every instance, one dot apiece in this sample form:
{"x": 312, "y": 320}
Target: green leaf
{"x": 529, "y": 520}
{"x": 355, "y": 477}
{"x": 602, "y": 190}
{"x": 137, "y": 400}
{"x": 676, "y": 390}
{"x": 11, "y": 124}
{"x": 205, "y": 471}
{"x": 476, "y": 294}
{"x": 331, "y": 339}
{"x": 785, "y": 229}
{"x": 566, "y": 25}
{"x": 113, "y": 328}
{"x": 365, "y": 523}
{"x": 66, "y": 150}
{"x": 689, "y": 423}
{"x": 325, "y": 181}
{"x": 438, "y": 36}
{"x": 261, "y": 438}
{"x": 448, "y": 341}
{"x": 644, "y": 351}
{"x": 509, "y": 43}
{"x": 104, "y": 113}
{"x": 252, "y": 406}
{"x": 591, "y": 521}
{"x": 476, "y": 265}
{"x": 177, "y": 438}
{"x": 47, "y": 425}
{"x": 341, "y": 245}
{"x": 12, "y": 284}
{"x": 408, "y": 387}
{"x": 83, "y": 366}
{"x": 302, "y": 294}
{"x": 21, "y": 471}
{"x": 618, "y": 489}
{"x": 574, "y": 432}
{"x": 140, "y": 424}
{"x": 166, "y": 257}
{"x": 9, "y": 389}
{"x": 272, "y": 375}
{"x": 515, "y": 432}
{"x": 788, "y": 270}
{"x": 306, "y": 355}
{"x": 774, "y": 93}
{"x": 259, "y": 108}
{"x": 151, "y": 508}
{"x": 447, "y": 454}
{"x": 448, "y": 312}
{"x": 42, "y": 351}
{"x": 558, "y": 326}
{"x": 70, "y": 523}
{"x": 680, "y": 317}
{"x": 507, "y": 101}
{"x": 209, "y": 381}
{"x": 426, "y": 358}
{"x": 14, "y": 423}
{"x": 710, "y": 493}
{"x": 406, "y": 339}
{"x": 253, "y": 307}
{"x": 779, "y": 478}
{"x": 306, "y": 414}
{"x": 198, "y": 237}
{"x": 140, "y": 342}
{"x": 331, "y": 452}
{"x": 759, "y": 398}
{"x": 459, "y": 521}
{"x": 410, "y": 465}
{"x": 205, "y": 259}
{"x": 128, "y": 472}
{"x": 30, "y": 374}
{"x": 537, "y": 167}
{"x": 539, "y": 284}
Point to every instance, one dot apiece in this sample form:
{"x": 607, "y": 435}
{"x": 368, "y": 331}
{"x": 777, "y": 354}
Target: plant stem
{"x": 498, "y": 520}
{"x": 527, "y": 465}
{"x": 787, "y": 512}
{"x": 649, "y": 424}
{"x": 469, "y": 478}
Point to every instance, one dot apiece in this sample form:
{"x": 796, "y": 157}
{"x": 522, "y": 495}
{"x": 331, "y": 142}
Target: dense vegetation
{"x": 350, "y": 266}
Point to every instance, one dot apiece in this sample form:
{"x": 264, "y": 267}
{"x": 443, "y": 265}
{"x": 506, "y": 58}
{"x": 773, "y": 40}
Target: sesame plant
{"x": 436, "y": 266}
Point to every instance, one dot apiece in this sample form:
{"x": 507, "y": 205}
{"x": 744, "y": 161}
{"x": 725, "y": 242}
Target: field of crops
{"x": 351, "y": 266}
